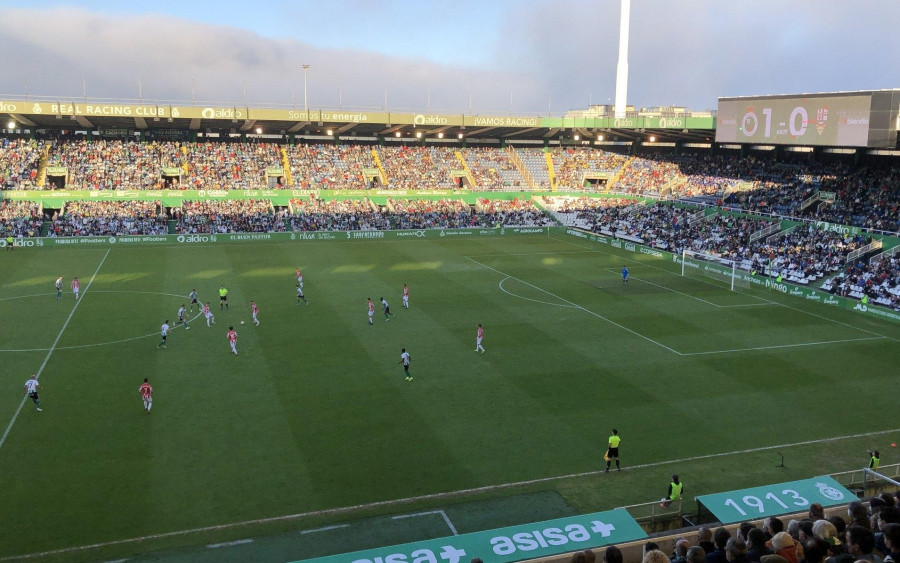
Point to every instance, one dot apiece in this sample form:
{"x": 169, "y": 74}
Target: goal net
{"x": 702, "y": 265}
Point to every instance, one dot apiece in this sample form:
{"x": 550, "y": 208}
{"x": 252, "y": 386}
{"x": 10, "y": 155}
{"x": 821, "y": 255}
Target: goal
{"x": 701, "y": 264}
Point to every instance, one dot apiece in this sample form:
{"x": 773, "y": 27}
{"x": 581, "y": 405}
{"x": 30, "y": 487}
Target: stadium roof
{"x": 97, "y": 115}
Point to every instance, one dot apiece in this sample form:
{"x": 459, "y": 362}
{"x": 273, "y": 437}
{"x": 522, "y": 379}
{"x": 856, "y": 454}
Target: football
{"x": 242, "y": 322}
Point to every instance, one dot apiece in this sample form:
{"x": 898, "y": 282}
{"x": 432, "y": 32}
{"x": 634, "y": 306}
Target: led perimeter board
{"x": 845, "y": 119}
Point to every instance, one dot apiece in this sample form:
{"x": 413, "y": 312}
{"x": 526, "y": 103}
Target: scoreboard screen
{"x": 825, "y": 120}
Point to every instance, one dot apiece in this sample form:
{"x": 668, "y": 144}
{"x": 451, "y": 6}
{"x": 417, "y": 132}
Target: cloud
{"x": 532, "y": 51}
{"x": 114, "y": 52}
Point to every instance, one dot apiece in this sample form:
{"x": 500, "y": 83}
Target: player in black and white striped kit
{"x": 31, "y": 389}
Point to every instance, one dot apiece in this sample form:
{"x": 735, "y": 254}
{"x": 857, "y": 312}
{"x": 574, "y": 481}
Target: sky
{"x": 521, "y": 57}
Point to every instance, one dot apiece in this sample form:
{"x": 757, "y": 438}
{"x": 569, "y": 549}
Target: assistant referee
{"x": 613, "y": 451}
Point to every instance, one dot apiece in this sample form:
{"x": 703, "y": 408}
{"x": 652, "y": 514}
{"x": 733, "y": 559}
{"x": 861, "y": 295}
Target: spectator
{"x": 861, "y": 544}
{"x": 720, "y": 538}
{"x": 696, "y": 555}
{"x": 756, "y": 545}
{"x": 679, "y": 553}
{"x": 736, "y": 551}
{"x": 655, "y": 556}
{"x": 612, "y": 554}
{"x": 784, "y": 546}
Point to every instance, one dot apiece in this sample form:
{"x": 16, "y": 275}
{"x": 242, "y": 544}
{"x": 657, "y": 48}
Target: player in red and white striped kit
{"x": 479, "y": 336}
{"x": 208, "y": 314}
{"x": 299, "y": 277}
{"x": 232, "y": 339}
{"x": 254, "y": 310}
{"x": 371, "y": 311}
{"x": 147, "y": 395}
{"x": 76, "y": 287}
{"x": 405, "y": 297}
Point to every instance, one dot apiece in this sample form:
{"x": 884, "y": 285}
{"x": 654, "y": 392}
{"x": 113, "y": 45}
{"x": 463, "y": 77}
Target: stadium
{"x": 410, "y": 336}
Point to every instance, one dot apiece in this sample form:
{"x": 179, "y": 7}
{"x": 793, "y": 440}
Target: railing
{"x": 883, "y": 255}
{"x": 520, "y": 166}
{"x": 874, "y": 245}
{"x": 656, "y": 516}
{"x": 809, "y": 201}
{"x": 789, "y": 218}
{"x": 765, "y": 232}
{"x": 865, "y": 482}
{"x": 782, "y": 234}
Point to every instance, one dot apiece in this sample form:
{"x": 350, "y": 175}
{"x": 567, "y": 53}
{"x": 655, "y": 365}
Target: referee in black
{"x": 613, "y": 451}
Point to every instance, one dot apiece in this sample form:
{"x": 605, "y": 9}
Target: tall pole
{"x": 622, "y": 67}
{"x": 192, "y": 91}
{"x": 305, "y": 104}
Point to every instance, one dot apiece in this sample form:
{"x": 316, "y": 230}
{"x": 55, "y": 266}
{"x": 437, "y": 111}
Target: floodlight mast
{"x": 622, "y": 67}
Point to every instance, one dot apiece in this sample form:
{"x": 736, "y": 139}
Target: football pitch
{"x": 313, "y": 424}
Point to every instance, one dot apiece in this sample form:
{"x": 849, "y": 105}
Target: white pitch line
{"x": 667, "y": 288}
{"x": 577, "y": 306}
{"x": 52, "y": 348}
{"x": 664, "y": 270}
{"x": 434, "y": 496}
{"x": 783, "y": 346}
{"x": 192, "y": 319}
{"x": 503, "y": 289}
{"x": 766, "y": 301}
{"x": 325, "y": 529}
{"x": 229, "y": 543}
{"x": 428, "y": 512}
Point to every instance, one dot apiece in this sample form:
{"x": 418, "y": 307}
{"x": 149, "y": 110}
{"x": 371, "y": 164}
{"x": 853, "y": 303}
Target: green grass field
{"x": 315, "y": 415}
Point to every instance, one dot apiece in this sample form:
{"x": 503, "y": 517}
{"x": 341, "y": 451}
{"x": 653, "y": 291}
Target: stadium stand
{"x": 878, "y": 282}
{"x": 571, "y": 165}
{"x": 337, "y": 215}
{"x": 229, "y": 216}
{"x": 230, "y": 166}
{"x": 330, "y": 167}
{"x": 536, "y": 163}
{"x": 114, "y": 164}
{"x": 110, "y": 218}
{"x": 20, "y": 219}
{"x": 412, "y": 168}
{"x": 19, "y": 161}
{"x": 492, "y": 169}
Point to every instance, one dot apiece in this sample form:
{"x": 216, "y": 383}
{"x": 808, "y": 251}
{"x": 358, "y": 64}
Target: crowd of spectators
{"x": 228, "y": 216}
{"x": 330, "y": 167}
{"x": 109, "y": 218}
{"x": 20, "y": 219}
{"x": 878, "y": 282}
{"x": 647, "y": 175}
{"x": 571, "y": 164}
{"x": 315, "y": 214}
{"x": 868, "y": 535}
{"x": 536, "y": 163}
{"x": 514, "y": 213}
{"x": 492, "y": 169}
{"x": 431, "y": 214}
{"x": 230, "y": 166}
{"x": 114, "y": 164}
{"x": 416, "y": 168}
{"x": 19, "y": 161}
{"x": 804, "y": 254}
{"x": 864, "y": 196}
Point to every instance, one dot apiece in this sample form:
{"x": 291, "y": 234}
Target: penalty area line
{"x": 436, "y": 496}
{"x": 577, "y": 306}
{"x": 53, "y": 348}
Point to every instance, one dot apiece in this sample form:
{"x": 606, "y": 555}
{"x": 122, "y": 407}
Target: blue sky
{"x": 545, "y": 55}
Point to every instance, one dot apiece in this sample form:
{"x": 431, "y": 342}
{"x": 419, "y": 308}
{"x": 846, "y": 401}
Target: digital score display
{"x": 834, "y": 121}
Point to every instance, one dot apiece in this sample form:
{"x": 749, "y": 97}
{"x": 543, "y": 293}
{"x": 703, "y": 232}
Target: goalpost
{"x": 702, "y": 264}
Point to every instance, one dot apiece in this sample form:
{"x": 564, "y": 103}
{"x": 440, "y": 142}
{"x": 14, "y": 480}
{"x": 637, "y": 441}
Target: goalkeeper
{"x": 613, "y": 451}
